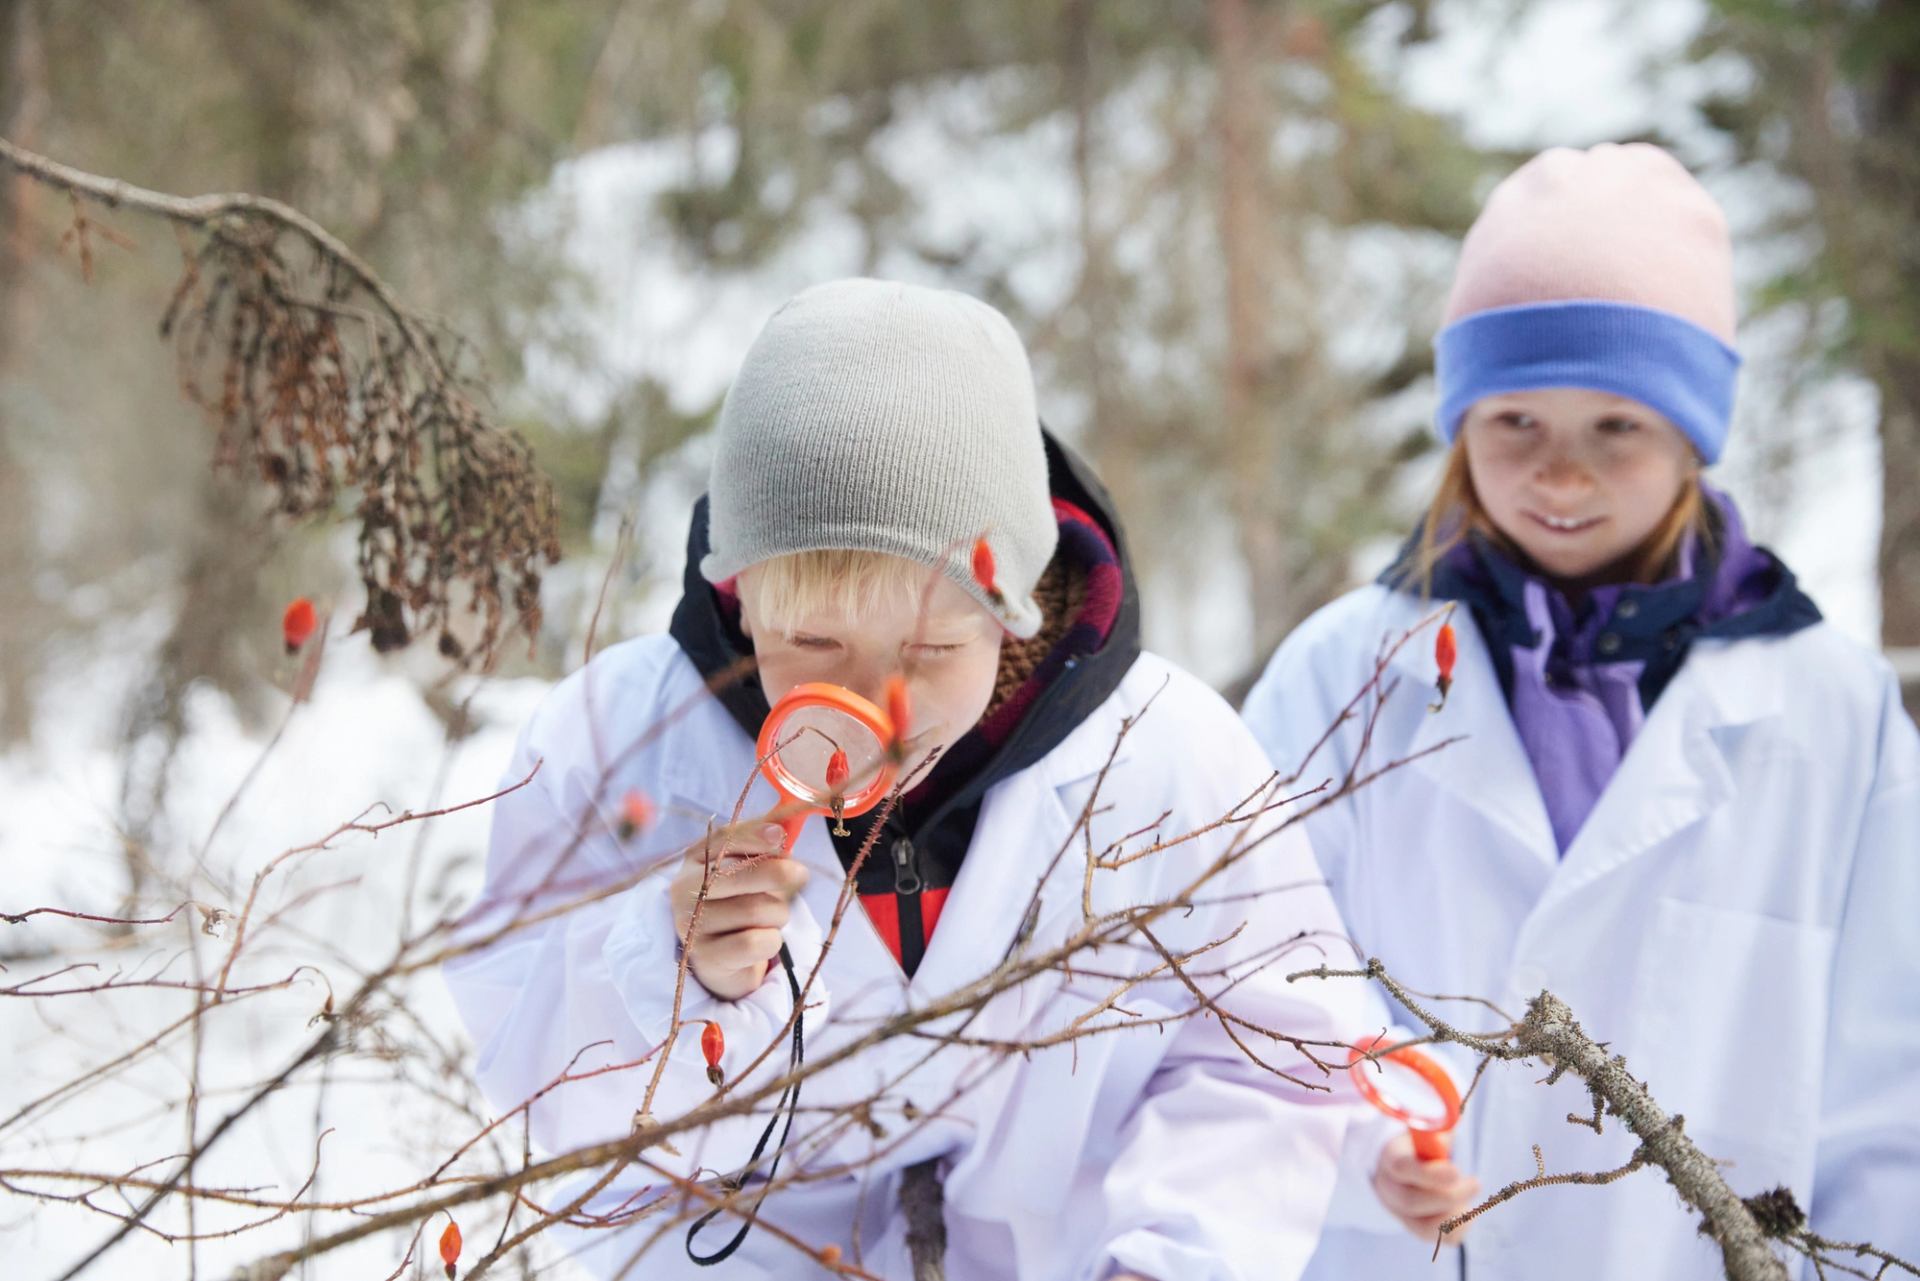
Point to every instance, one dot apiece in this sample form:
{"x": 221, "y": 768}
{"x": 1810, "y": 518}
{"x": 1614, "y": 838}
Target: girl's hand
{"x": 746, "y": 906}
{"x": 1423, "y": 1194}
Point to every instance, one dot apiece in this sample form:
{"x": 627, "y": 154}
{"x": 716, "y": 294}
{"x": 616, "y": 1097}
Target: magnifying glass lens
{"x": 823, "y": 753}
{"x": 1408, "y": 1094}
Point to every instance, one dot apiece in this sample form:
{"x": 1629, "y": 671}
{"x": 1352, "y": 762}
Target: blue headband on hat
{"x": 1666, "y": 363}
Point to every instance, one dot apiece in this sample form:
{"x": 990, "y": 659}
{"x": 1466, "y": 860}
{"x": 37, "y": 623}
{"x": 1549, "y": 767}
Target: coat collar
{"x": 1679, "y": 768}
{"x": 1488, "y": 769}
{"x": 1025, "y": 820}
{"x": 1675, "y": 772}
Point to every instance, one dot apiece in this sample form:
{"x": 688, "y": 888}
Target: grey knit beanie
{"x": 882, "y": 417}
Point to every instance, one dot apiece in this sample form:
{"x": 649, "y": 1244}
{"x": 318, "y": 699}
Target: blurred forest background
{"x": 1223, "y": 226}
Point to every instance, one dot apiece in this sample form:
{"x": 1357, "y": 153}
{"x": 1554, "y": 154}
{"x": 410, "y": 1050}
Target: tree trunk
{"x": 1890, "y": 174}
{"x": 1250, "y": 445}
{"x": 24, "y": 106}
{"x": 1899, "y": 553}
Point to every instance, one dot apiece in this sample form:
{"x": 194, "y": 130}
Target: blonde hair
{"x": 783, "y": 590}
{"x": 1456, "y": 511}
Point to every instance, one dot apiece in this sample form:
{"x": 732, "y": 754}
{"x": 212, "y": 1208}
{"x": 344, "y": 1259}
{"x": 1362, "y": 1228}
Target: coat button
{"x": 1609, "y": 643}
{"x": 1629, "y": 608}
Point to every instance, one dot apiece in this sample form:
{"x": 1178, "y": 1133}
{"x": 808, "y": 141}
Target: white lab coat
{"x": 1160, "y": 1150}
{"x": 1737, "y": 917}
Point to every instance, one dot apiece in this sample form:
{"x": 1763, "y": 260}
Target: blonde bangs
{"x": 782, "y": 592}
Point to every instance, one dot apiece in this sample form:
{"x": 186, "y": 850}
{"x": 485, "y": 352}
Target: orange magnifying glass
{"x": 824, "y": 749}
{"x": 1413, "y": 1089}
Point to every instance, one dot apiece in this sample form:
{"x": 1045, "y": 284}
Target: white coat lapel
{"x": 1489, "y": 769}
{"x": 1676, "y": 772}
{"x": 1023, "y": 823}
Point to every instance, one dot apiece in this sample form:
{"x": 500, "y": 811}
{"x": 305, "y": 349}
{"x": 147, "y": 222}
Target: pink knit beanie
{"x": 1609, "y": 268}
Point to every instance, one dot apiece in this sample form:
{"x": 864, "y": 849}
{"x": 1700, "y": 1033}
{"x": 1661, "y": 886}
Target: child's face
{"x": 1579, "y": 479}
{"x": 950, "y": 654}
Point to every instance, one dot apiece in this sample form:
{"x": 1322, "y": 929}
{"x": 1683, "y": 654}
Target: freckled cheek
{"x": 1498, "y": 484}
{"x": 1503, "y": 493}
{"x": 1643, "y": 487}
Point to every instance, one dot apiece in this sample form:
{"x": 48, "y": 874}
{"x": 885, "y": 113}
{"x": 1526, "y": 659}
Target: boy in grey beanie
{"x": 886, "y": 510}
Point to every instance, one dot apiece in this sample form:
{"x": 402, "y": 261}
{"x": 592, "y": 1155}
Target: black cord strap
{"x": 790, "y": 1103}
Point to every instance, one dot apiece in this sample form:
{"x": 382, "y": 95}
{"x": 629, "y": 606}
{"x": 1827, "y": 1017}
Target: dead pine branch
{"x": 325, "y": 388}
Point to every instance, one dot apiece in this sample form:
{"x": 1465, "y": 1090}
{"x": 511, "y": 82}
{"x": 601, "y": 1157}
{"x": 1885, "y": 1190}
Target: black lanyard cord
{"x": 790, "y": 1103}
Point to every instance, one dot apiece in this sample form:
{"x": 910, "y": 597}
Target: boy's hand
{"x": 746, "y": 906}
{"x": 1423, "y": 1194}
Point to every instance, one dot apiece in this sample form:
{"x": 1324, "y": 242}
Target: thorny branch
{"x": 347, "y": 1023}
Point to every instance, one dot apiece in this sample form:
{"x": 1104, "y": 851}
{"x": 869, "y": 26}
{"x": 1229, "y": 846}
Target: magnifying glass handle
{"x": 1431, "y": 1145}
{"x": 792, "y": 824}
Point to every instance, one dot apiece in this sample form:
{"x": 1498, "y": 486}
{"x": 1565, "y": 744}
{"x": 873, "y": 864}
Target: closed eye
{"x": 931, "y": 650}
{"x": 817, "y": 643}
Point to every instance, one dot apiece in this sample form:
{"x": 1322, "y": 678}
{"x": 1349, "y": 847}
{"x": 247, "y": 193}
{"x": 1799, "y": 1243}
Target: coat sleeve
{"x": 1866, "y": 1181}
{"x": 588, "y": 991}
{"x": 1289, "y": 711}
{"x": 1225, "y": 1168}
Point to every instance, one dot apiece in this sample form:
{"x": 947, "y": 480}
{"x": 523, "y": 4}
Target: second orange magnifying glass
{"x": 825, "y": 750}
{"x": 1412, "y": 1088}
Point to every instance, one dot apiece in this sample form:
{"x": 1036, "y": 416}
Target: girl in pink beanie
{"x": 1683, "y": 802}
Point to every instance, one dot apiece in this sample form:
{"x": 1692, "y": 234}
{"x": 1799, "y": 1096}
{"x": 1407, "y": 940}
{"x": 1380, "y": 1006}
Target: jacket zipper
{"x": 906, "y": 892}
